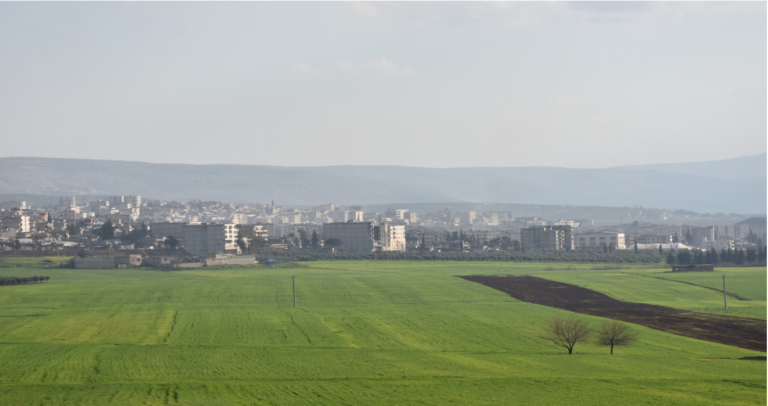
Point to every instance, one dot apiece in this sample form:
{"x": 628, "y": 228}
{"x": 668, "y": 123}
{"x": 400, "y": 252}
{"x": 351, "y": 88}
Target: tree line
{"x": 591, "y": 256}
{"x": 711, "y": 256}
{"x": 22, "y": 280}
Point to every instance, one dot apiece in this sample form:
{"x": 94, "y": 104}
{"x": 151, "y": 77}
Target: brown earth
{"x": 730, "y": 330}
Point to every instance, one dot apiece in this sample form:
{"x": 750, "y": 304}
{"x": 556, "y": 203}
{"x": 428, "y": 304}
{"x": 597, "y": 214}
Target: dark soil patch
{"x": 741, "y": 332}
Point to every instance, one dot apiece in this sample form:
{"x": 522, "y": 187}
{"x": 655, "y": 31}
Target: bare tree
{"x": 615, "y": 334}
{"x": 566, "y": 331}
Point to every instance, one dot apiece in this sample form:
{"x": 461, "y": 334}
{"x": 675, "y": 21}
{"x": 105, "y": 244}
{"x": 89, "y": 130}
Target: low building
{"x": 106, "y": 262}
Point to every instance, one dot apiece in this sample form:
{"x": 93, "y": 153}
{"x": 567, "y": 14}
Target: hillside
{"x": 701, "y": 186}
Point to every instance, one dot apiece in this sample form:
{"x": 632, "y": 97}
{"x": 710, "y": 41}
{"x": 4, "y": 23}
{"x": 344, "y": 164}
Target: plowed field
{"x": 737, "y": 331}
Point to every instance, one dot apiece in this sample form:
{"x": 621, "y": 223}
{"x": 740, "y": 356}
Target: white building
{"x": 389, "y": 237}
{"x": 600, "y": 240}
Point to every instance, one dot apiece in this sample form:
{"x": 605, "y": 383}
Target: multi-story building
{"x": 654, "y": 239}
{"x": 230, "y": 239}
{"x": 467, "y": 217}
{"x": 673, "y": 230}
{"x": 389, "y": 237}
{"x": 600, "y": 241}
{"x": 396, "y": 214}
{"x": 702, "y": 236}
{"x": 14, "y": 204}
{"x": 16, "y": 221}
{"x": 68, "y": 203}
{"x": 199, "y": 239}
{"x": 355, "y": 237}
{"x": 741, "y": 231}
{"x": 543, "y": 238}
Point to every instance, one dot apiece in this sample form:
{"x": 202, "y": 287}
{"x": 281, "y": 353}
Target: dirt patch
{"x": 730, "y": 330}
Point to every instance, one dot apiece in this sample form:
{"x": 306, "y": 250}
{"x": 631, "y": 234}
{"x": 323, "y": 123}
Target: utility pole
{"x": 725, "y": 297}
{"x": 294, "y": 290}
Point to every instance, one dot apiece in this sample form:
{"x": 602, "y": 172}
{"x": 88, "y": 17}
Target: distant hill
{"x": 718, "y": 186}
{"x": 756, "y": 223}
{"x": 737, "y": 168}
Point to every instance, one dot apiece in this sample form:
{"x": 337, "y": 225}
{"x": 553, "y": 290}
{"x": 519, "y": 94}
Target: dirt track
{"x": 737, "y": 331}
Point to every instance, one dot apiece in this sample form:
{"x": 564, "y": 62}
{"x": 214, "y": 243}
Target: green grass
{"x": 365, "y": 332}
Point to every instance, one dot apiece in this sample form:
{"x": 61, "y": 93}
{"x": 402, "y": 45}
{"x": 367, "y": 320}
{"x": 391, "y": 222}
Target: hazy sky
{"x": 418, "y": 84}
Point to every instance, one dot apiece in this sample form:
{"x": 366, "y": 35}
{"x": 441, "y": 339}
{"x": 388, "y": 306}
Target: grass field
{"x": 363, "y": 333}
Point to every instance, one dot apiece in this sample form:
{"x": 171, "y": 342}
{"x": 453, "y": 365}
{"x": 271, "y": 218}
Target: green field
{"x": 365, "y": 332}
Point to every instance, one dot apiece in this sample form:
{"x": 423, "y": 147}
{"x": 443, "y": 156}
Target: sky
{"x": 580, "y": 85}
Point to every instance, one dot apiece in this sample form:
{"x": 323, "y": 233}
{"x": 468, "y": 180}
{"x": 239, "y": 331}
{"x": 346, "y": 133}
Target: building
{"x": 702, "y": 236}
{"x": 68, "y": 203}
{"x": 10, "y": 205}
{"x": 389, "y": 238}
{"x": 199, "y": 239}
{"x": 355, "y": 237}
{"x": 655, "y": 239}
{"x": 547, "y": 238}
{"x": 605, "y": 240}
{"x": 16, "y": 221}
{"x": 105, "y": 262}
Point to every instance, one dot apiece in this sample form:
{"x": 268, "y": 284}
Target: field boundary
{"x": 733, "y": 295}
{"x": 736, "y": 331}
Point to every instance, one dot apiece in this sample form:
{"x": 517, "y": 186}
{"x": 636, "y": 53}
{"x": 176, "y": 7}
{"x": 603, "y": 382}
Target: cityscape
{"x": 199, "y": 229}
{"x": 378, "y": 203}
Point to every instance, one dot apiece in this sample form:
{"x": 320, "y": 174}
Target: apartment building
{"x": 606, "y": 240}
{"x": 545, "y": 238}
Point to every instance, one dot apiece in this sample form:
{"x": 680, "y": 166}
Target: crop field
{"x": 364, "y": 332}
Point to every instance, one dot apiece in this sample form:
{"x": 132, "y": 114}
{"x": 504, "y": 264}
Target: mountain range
{"x": 731, "y": 186}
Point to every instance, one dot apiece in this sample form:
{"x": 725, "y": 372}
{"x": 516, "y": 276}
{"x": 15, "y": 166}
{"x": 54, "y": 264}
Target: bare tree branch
{"x": 614, "y": 334}
{"x": 566, "y": 331}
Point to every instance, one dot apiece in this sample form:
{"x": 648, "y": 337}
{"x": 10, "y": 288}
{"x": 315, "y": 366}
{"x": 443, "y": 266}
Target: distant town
{"x": 215, "y": 232}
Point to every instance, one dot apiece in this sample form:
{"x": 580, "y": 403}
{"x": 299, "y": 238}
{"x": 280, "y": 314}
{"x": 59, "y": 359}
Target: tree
{"x": 661, "y": 251}
{"x": 241, "y": 243}
{"x": 171, "y": 241}
{"x": 73, "y": 229}
{"x": 671, "y": 258}
{"x": 333, "y": 242}
{"x": 315, "y": 240}
{"x": 566, "y": 331}
{"x": 259, "y": 242}
{"x": 81, "y": 253}
{"x": 615, "y": 334}
{"x": 107, "y": 231}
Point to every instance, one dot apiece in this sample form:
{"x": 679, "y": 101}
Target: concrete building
{"x": 21, "y": 223}
{"x": 355, "y": 237}
{"x": 389, "y": 238}
{"x": 106, "y": 262}
{"x": 702, "y": 236}
{"x": 15, "y": 204}
{"x": 600, "y": 240}
{"x": 199, "y": 239}
{"x": 654, "y": 239}
{"x": 343, "y": 216}
{"x": 467, "y": 217}
{"x": 546, "y": 238}
{"x": 68, "y": 203}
